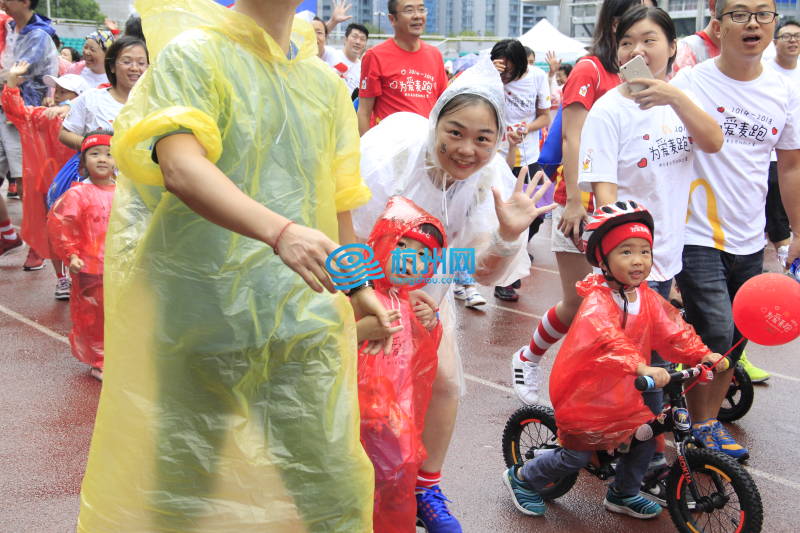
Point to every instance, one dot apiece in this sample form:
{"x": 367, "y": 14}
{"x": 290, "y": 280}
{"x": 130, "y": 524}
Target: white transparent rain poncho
{"x": 398, "y": 158}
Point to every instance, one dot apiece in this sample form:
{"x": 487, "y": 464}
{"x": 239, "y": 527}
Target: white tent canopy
{"x": 544, "y": 37}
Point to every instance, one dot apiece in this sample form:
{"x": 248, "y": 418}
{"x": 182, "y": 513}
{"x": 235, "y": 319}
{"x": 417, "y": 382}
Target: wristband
{"x": 278, "y": 239}
{"x": 351, "y": 292}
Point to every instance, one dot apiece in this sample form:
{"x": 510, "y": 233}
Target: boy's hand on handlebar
{"x": 713, "y": 358}
{"x": 660, "y": 375}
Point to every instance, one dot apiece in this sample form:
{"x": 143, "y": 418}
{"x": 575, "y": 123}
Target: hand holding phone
{"x": 633, "y": 69}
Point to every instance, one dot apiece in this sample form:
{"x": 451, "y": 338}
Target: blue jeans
{"x": 708, "y": 283}
{"x": 553, "y": 465}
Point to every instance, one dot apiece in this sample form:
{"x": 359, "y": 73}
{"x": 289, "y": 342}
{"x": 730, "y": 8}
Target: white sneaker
{"x": 459, "y": 291}
{"x": 62, "y": 288}
{"x": 526, "y": 378}
{"x": 474, "y": 298}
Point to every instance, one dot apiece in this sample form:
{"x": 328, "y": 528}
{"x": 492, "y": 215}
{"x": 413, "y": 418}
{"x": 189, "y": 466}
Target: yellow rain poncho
{"x": 230, "y": 401}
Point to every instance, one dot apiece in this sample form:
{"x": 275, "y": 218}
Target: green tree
{"x": 72, "y": 9}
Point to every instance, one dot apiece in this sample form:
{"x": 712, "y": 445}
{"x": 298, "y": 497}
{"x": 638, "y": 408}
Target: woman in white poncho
{"x": 448, "y": 165}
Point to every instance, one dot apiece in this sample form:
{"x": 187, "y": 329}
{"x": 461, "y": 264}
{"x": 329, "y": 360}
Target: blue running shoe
{"x": 726, "y": 443}
{"x": 702, "y": 432}
{"x": 635, "y": 506}
{"x": 526, "y": 500}
{"x": 432, "y": 511}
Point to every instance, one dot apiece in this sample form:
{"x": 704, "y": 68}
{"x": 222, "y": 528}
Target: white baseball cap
{"x": 70, "y": 82}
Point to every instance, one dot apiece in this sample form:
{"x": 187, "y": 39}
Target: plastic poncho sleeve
{"x": 176, "y": 77}
{"x": 351, "y": 191}
{"x": 37, "y": 48}
{"x": 673, "y": 338}
{"x": 63, "y": 227}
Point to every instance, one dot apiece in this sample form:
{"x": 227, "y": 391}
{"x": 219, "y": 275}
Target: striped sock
{"x": 547, "y": 333}
{"x": 7, "y": 230}
{"x": 426, "y": 480}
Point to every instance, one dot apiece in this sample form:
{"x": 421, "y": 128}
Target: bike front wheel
{"x": 531, "y": 430}
{"x": 726, "y": 499}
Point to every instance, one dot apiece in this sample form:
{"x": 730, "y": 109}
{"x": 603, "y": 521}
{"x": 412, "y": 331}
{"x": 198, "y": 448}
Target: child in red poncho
{"x": 620, "y": 321}
{"x": 77, "y": 225}
{"x": 394, "y": 390}
{"x": 42, "y": 156}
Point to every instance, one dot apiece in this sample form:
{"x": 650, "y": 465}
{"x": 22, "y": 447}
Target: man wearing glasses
{"x": 724, "y": 238}
{"x": 403, "y": 73}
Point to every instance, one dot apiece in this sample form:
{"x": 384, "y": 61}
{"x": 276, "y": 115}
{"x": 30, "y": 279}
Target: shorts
{"x": 10, "y": 149}
{"x": 777, "y": 227}
{"x": 558, "y": 241}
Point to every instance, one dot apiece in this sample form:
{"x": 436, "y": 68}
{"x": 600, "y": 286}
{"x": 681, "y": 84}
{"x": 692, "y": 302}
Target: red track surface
{"x": 49, "y": 400}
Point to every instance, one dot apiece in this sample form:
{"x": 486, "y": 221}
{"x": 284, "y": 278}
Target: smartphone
{"x": 635, "y": 68}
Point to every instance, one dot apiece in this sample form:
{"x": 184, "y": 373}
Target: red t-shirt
{"x": 587, "y": 82}
{"x": 401, "y": 80}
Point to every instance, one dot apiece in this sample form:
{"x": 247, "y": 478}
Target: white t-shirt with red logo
{"x": 729, "y": 189}
{"x": 649, "y": 156}
{"x": 523, "y": 97}
{"x": 93, "y": 109}
{"x": 349, "y": 71}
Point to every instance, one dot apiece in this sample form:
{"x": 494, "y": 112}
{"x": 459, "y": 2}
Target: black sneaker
{"x": 507, "y": 294}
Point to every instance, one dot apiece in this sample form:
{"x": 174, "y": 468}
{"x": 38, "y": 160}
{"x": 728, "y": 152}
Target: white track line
{"x": 487, "y": 383}
{"x": 517, "y": 311}
{"x": 540, "y": 269}
{"x": 25, "y": 320}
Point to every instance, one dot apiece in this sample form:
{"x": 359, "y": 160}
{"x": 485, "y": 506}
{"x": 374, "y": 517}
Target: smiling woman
{"x": 448, "y": 165}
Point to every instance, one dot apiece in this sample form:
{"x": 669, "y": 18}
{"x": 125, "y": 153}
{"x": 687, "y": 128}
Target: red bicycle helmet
{"x": 608, "y": 217}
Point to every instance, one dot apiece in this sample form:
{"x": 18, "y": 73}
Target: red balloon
{"x": 766, "y": 309}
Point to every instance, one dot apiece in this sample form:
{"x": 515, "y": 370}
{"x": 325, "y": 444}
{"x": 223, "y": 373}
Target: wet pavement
{"x": 49, "y": 400}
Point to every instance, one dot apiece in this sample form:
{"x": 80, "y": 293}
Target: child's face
{"x": 631, "y": 261}
{"x": 410, "y": 260}
{"x": 99, "y": 163}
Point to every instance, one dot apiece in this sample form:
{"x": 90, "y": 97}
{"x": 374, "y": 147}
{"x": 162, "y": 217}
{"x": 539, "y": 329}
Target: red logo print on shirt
{"x": 646, "y": 136}
{"x": 774, "y": 131}
{"x": 721, "y": 109}
{"x": 642, "y": 163}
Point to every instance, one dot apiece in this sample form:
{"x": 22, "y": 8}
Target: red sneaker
{"x": 33, "y": 262}
{"x": 9, "y": 244}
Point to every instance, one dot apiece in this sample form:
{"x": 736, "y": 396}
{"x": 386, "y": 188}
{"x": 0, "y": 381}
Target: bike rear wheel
{"x": 739, "y": 398}
{"x": 728, "y": 500}
{"x": 529, "y": 429}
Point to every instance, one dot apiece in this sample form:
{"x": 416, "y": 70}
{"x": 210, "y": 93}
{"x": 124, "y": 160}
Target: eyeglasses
{"x": 743, "y": 17}
{"x": 129, "y": 63}
{"x": 786, "y": 37}
{"x": 409, "y": 11}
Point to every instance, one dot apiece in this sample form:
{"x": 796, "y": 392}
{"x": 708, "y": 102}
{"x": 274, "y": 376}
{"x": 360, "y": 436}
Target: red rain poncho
{"x": 394, "y": 390}
{"x": 591, "y": 384}
{"x": 77, "y": 225}
{"x": 42, "y": 157}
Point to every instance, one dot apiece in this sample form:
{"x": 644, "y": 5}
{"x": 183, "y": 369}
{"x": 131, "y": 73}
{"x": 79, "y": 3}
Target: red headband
{"x": 626, "y": 231}
{"x": 95, "y": 140}
{"x": 428, "y": 240}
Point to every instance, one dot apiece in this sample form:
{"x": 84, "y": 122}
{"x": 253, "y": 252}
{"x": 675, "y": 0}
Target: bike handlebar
{"x": 646, "y": 383}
